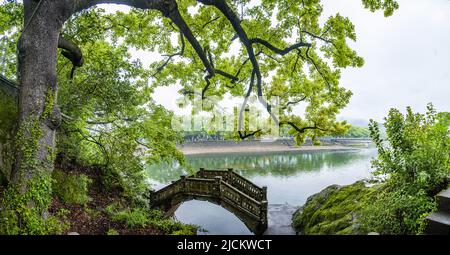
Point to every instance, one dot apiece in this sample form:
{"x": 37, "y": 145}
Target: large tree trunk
{"x": 29, "y": 193}
{"x": 38, "y": 113}
{"x": 25, "y": 202}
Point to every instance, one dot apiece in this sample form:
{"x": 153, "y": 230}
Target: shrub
{"x": 71, "y": 188}
{"x": 142, "y": 217}
{"x": 134, "y": 217}
{"x": 415, "y": 162}
{"x": 17, "y": 216}
{"x": 112, "y": 232}
{"x": 397, "y": 212}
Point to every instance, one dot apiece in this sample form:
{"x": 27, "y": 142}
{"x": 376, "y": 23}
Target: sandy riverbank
{"x": 264, "y": 148}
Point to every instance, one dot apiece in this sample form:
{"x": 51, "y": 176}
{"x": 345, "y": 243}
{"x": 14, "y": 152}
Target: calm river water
{"x": 290, "y": 179}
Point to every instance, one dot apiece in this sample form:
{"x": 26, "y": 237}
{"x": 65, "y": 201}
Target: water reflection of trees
{"x": 250, "y": 165}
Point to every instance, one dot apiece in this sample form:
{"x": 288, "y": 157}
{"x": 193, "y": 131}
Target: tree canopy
{"x": 284, "y": 51}
{"x": 104, "y": 95}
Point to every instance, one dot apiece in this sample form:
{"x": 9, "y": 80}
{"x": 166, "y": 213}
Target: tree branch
{"x": 294, "y": 102}
{"x": 244, "y": 104}
{"x": 233, "y": 78}
{"x": 244, "y": 135}
{"x": 210, "y": 21}
{"x": 71, "y": 52}
{"x": 279, "y": 51}
{"x": 303, "y": 129}
{"x": 208, "y": 83}
{"x": 81, "y": 5}
{"x": 176, "y": 18}
{"x": 168, "y": 8}
{"x": 317, "y": 36}
{"x": 180, "y": 53}
{"x": 235, "y": 22}
{"x": 317, "y": 68}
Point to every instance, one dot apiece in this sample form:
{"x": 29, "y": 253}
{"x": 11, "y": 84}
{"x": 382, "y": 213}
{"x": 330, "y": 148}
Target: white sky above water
{"x": 407, "y": 59}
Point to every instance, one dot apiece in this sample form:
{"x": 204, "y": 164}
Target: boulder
{"x": 334, "y": 210}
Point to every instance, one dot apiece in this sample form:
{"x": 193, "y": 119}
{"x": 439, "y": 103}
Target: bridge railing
{"x": 200, "y": 187}
{"x": 233, "y": 196}
{"x": 204, "y": 185}
{"x": 236, "y": 180}
{"x": 168, "y": 191}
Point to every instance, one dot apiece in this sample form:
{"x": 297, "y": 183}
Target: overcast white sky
{"x": 407, "y": 59}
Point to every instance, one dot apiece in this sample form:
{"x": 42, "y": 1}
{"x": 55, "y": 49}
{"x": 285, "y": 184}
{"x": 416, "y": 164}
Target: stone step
{"x": 443, "y": 199}
{"x": 438, "y": 223}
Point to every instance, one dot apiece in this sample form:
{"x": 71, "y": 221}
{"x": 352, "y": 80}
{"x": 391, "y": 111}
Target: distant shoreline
{"x": 210, "y": 149}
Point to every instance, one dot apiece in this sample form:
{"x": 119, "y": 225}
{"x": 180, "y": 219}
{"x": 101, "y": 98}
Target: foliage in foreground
{"x": 110, "y": 119}
{"x": 415, "y": 161}
{"x": 412, "y": 166}
{"x": 17, "y": 216}
{"x": 143, "y": 217}
{"x": 71, "y": 188}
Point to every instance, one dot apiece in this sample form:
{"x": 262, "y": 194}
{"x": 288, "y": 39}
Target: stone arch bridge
{"x": 223, "y": 187}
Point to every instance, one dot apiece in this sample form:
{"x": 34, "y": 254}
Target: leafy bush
{"x": 142, "y": 217}
{"x": 397, "y": 212}
{"x": 18, "y": 217}
{"x": 415, "y": 161}
{"x": 417, "y": 154}
{"x": 112, "y": 232}
{"x": 71, "y": 188}
{"x": 172, "y": 227}
{"x": 136, "y": 217}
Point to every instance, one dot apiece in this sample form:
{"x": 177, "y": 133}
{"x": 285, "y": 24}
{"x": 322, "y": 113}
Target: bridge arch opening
{"x": 211, "y": 217}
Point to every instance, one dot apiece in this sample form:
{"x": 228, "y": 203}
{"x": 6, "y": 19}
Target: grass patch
{"x": 142, "y": 217}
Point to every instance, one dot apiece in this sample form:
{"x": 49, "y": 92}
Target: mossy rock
{"x": 334, "y": 210}
{"x": 71, "y": 188}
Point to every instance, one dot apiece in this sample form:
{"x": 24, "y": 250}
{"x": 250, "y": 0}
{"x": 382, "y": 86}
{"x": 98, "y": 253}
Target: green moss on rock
{"x": 71, "y": 188}
{"x": 334, "y": 210}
